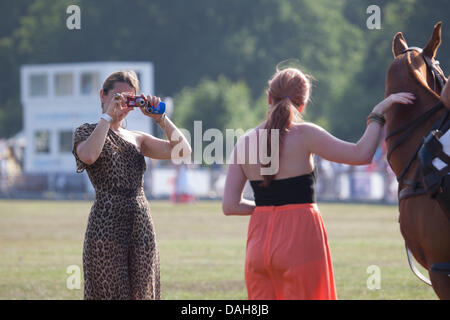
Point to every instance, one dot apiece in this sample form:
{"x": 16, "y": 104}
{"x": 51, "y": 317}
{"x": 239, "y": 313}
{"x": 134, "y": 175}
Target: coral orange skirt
{"x": 288, "y": 256}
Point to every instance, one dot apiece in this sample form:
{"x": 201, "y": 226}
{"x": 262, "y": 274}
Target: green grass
{"x": 202, "y": 251}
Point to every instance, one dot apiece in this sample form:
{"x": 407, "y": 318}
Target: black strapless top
{"x": 298, "y": 189}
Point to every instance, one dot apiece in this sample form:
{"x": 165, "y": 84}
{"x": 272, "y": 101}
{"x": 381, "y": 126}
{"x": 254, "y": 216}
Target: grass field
{"x": 202, "y": 251}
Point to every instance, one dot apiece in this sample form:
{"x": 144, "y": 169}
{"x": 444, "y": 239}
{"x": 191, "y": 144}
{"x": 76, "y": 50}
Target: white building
{"x": 57, "y": 98}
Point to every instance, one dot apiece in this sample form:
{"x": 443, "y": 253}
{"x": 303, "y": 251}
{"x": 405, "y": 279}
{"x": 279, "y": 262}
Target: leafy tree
{"x": 220, "y": 104}
{"x": 241, "y": 40}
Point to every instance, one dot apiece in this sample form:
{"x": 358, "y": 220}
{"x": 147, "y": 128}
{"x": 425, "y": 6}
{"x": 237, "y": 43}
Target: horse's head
{"x": 416, "y": 65}
{"x": 416, "y": 70}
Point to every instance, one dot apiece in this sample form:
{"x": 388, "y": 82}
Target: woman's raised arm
{"x": 89, "y": 150}
{"x": 165, "y": 149}
{"x": 155, "y": 148}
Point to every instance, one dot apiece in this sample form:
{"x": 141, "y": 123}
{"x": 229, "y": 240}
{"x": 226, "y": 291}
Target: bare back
{"x": 295, "y": 159}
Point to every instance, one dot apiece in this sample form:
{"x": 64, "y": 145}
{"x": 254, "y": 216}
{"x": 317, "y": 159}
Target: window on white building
{"x": 38, "y": 85}
{"x": 65, "y": 141}
{"x": 63, "y": 84}
{"x": 89, "y": 83}
{"x": 42, "y": 141}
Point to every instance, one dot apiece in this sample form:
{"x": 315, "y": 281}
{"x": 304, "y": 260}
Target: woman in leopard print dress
{"x": 120, "y": 255}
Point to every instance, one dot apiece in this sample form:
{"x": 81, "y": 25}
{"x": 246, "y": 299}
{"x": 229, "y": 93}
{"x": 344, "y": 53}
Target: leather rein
{"x": 415, "y": 186}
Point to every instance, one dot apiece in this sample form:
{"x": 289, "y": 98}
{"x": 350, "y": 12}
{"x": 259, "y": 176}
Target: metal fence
{"x": 336, "y": 183}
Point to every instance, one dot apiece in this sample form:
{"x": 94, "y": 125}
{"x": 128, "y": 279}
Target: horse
{"x": 424, "y": 225}
{"x": 445, "y": 95}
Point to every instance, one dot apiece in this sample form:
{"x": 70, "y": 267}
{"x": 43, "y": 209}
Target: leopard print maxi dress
{"x": 120, "y": 255}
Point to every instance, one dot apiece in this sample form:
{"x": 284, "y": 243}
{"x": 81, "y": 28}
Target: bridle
{"x": 432, "y": 64}
{"x": 409, "y": 127}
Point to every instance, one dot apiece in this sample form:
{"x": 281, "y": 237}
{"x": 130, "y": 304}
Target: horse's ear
{"x": 398, "y": 44}
{"x": 434, "y": 42}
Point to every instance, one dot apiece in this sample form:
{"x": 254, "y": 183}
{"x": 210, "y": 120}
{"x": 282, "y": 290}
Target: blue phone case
{"x": 159, "y": 109}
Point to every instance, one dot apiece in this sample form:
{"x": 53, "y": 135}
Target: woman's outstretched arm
{"x": 325, "y": 145}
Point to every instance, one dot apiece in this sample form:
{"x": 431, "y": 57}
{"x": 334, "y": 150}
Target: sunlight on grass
{"x": 202, "y": 251}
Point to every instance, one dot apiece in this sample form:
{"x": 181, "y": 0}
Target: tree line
{"x": 215, "y": 57}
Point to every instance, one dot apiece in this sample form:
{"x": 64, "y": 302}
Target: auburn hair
{"x": 289, "y": 90}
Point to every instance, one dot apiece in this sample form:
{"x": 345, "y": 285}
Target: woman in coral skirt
{"x": 288, "y": 255}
